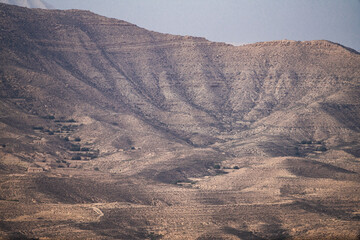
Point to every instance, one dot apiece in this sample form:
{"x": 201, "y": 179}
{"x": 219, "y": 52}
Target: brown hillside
{"x": 111, "y": 131}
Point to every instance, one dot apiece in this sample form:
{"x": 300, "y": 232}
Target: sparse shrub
{"x": 220, "y": 172}
{"x": 77, "y": 139}
{"x": 132, "y": 148}
{"x": 85, "y": 149}
{"x": 154, "y": 236}
{"x": 96, "y": 169}
{"x": 66, "y": 139}
{"x": 38, "y": 128}
{"x": 322, "y": 149}
{"x": 178, "y": 181}
{"x": 236, "y": 167}
{"x": 217, "y": 166}
{"x": 71, "y": 120}
{"x": 4, "y": 145}
{"x": 51, "y": 133}
{"x": 75, "y": 148}
{"x": 51, "y": 117}
{"x": 77, "y": 157}
{"x": 306, "y": 142}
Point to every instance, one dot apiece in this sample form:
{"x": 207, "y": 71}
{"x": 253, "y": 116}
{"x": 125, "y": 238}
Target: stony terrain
{"x": 111, "y": 131}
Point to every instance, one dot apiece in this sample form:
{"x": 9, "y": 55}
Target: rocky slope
{"x": 129, "y": 122}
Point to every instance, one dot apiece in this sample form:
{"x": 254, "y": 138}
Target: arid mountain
{"x": 28, "y": 3}
{"x": 111, "y": 131}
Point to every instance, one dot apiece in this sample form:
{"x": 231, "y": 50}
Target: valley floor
{"x": 264, "y": 198}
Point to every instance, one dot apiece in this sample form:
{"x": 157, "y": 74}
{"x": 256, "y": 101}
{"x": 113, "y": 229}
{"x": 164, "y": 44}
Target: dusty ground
{"x": 266, "y": 198}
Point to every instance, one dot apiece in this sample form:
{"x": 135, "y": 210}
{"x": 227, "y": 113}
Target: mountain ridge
{"x": 156, "y": 99}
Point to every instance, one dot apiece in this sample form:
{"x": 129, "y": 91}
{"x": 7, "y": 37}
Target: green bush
{"x": 154, "y": 236}
{"x": 217, "y": 166}
{"x": 77, "y": 157}
{"x": 322, "y": 149}
{"x": 77, "y": 139}
{"x": 51, "y": 117}
{"x": 236, "y": 167}
{"x": 75, "y": 148}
